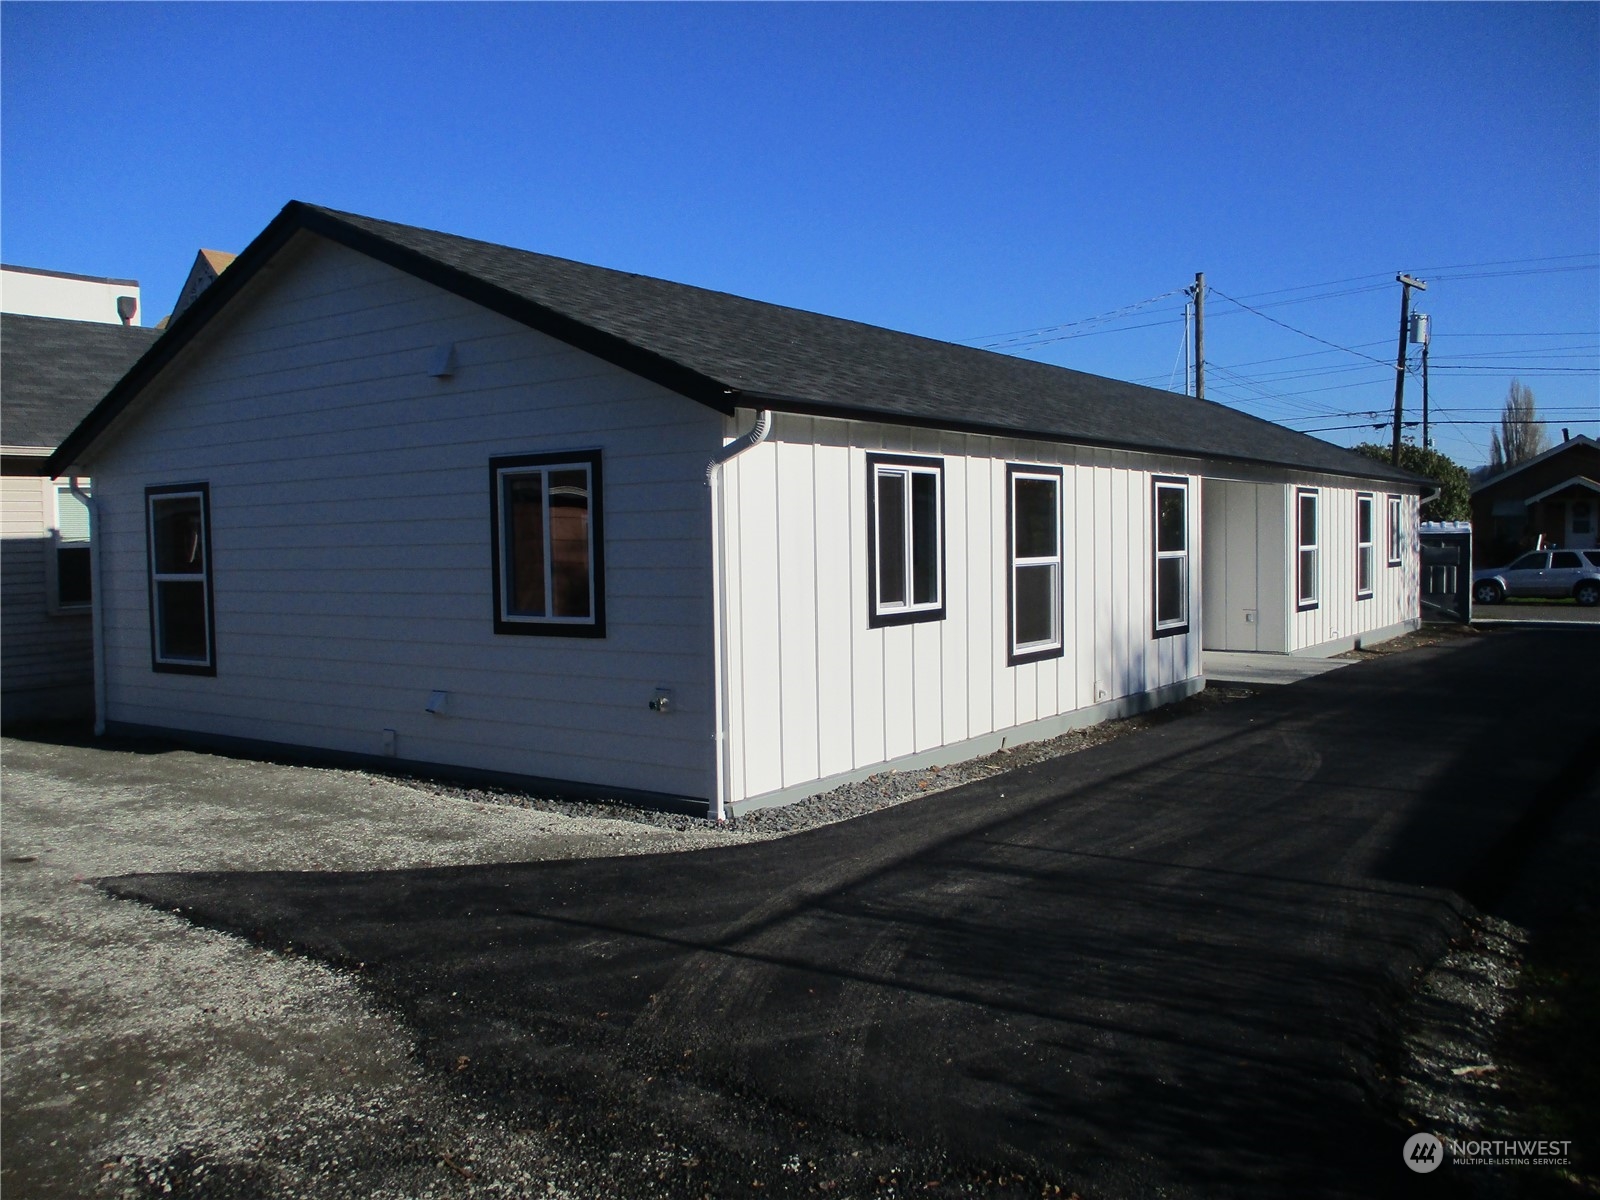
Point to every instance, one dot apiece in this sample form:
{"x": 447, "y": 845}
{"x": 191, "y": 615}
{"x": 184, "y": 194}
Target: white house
{"x": 52, "y": 372}
{"x": 35, "y": 292}
{"x": 384, "y": 492}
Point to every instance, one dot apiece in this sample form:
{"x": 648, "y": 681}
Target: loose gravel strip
{"x": 883, "y": 790}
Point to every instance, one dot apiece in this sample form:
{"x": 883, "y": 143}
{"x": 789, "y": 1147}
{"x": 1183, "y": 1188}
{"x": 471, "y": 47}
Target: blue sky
{"x": 955, "y": 170}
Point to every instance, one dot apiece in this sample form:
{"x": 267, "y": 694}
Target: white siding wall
{"x": 1339, "y": 616}
{"x": 350, "y": 532}
{"x": 48, "y": 658}
{"x": 815, "y": 692}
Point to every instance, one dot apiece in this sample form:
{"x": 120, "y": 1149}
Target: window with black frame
{"x": 1365, "y": 552}
{"x": 905, "y": 544}
{"x": 547, "y": 567}
{"x": 1033, "y": 521}
{"x": 182, "y": 634}
{"x": 1308, "y": 549}
{"x": 1171, "y": 556}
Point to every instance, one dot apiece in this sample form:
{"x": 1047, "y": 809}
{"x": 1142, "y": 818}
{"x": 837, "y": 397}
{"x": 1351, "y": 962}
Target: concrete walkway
{"x": 1258, "y": 670}
{"x": 1172, "y": 965}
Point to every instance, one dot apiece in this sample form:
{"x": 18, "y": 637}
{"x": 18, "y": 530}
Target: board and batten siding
{"x": 46, "y": 658}
{"x": 815, "y": 693}
{"x": 1340, "y": 618}
{"x": 1251, "y": 583}
{"x": 350, "y": 531}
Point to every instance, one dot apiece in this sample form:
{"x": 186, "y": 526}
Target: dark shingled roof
{"x": 52, "y": 372}
{"x": 727, "y": 351}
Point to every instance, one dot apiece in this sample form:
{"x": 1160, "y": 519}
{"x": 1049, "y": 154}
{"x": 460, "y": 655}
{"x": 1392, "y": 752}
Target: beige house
{"x": 52, "y": 372}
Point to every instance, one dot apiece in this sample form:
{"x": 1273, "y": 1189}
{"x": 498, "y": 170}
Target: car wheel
{"x": 1587, "y": 593}
{"x": 1487, "y": 592}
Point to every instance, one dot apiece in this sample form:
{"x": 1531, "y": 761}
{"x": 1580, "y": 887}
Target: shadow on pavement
{"x": 1172, "y": 964}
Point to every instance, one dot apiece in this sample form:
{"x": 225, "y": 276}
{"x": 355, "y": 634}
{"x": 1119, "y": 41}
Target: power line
{"x": 1125, "y": 310}
{"x": 1302, "y": 332}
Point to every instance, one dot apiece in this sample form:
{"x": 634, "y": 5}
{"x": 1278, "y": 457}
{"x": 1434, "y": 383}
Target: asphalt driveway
{"x": 1170, "y": 965}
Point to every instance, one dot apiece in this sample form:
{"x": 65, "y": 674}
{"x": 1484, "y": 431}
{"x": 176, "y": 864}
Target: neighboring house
{"x": 387, "y": 492}
{"x": 1552, "y": 499}
{"x": 208, "y": 264}
{"x": 32, "y": 292}
{"x": 52, "y": 372}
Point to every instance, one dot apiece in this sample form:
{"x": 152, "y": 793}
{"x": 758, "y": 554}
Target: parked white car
{"x": 1553, "y": 573}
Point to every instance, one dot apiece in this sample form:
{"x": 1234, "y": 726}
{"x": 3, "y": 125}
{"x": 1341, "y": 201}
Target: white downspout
{"x": 97, "y": 612}
{"x": 719, "y": 601}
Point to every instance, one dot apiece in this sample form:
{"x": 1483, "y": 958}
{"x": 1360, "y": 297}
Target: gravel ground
{"x": 143, "y": 1056}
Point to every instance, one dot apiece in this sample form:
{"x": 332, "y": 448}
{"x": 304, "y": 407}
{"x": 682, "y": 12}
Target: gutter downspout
{"x": 97, "y": 611}
{"x": 719, "y": 603}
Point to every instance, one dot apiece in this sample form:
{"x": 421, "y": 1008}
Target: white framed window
{"x": 1171, "y": 538}
{"x": 548, "y": 571}
{"x": 1396, "y": 530}
{"x": 1033, "y": 534}
{"x": 69, "y": 582}
{"x": 182, "y": 626}
{"x": 905, "y": 539}
{"x": 1365, "y": 552}
{"x": 1308, "y": 559}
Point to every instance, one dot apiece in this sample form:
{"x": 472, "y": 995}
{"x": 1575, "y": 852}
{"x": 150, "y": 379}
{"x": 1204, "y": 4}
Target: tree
{"x": 1520, "y": 436}
{"x": 1455, "y": 490}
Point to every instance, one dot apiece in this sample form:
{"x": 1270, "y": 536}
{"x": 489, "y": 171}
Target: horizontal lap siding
{"x": 351, "y": 538}
{"x": 815, "y": 692}
{"x": 48, "y": 658}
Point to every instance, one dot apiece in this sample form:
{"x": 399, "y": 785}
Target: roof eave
{"x": 296, "y": 216}
{"x": 813, "y": 408}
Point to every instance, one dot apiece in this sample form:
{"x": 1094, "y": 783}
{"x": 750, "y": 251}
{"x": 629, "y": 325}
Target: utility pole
{"x": 1427, "y": 442}
{"x": 1188, "y": 377}
{"x": 1199, "y": 294}
{"x": 1406, "y": 284}
{"x": 1422, "y": 335}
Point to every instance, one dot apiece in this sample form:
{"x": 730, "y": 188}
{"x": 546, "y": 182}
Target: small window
{"x": 1565, "y": 560}
{"x": 72, "y": 588}
{"x": 1309, "y": 549}
{"x": 1537, "y": 561}
{"x": 182, "y": 636}
{"x": 1364, "y": 546}
{"x": 1396, "y": 531}
{"x": 547, "y": 571}
{"x": 1033, "y": 522}
{"x": 1172, "y": 556}
{"x": 1582, "y": 517}
{"x": 905, "y": 545}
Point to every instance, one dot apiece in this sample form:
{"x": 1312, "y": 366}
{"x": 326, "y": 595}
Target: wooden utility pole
{"x": 1200, "y": 335}
{"x": 1406, "y": 284}
{"x": 1427, "y": 442}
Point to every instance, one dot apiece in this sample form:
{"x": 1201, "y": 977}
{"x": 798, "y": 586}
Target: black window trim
{"x": 1395, "y": 506}
{"x": 203, "y": 491}
{"x": 1302, "y": 604}
{"x": 910, "y": 616}
{"x": 1371, "y": 545}
{"x": 1175, "y": 629}
{"x": 551, "y": 627}
{"x": 1039, "y": 653}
